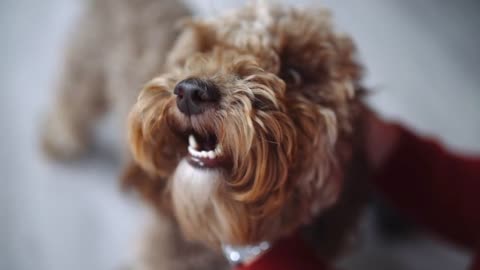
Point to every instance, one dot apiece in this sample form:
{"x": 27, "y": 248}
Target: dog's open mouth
{"x": 204, "y": 152}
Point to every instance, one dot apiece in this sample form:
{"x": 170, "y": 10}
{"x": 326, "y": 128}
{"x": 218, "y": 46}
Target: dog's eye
{"x": 294, "y": 76}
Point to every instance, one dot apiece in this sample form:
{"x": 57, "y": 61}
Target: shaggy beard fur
{"x": 284, "y": 121}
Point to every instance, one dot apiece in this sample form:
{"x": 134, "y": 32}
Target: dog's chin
{"x": 195, "y": 196}
{"x": 194, "y": 182}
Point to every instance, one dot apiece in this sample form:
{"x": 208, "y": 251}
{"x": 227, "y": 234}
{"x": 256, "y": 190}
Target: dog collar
{"x": 237, "y": 255}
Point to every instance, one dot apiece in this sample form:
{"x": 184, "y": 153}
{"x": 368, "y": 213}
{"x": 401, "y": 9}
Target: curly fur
{"x": 290, "y": 94}
{"x": 287, "y": 83}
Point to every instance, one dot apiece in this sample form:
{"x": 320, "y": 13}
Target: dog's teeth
{"x": 192, "y": 142}
{"x": 193, "y": 152}
{"x": 211, "y": 155}
{"x": 218, "y": 149}
{"x": 193, "y": 149}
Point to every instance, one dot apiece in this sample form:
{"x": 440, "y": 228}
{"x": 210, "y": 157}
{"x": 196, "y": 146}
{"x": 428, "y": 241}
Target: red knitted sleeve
{"x": 433, "y": 187}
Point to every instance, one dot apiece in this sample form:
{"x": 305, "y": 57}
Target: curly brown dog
{"x": 243, "y": 133}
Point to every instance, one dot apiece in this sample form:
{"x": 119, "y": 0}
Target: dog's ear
{"x": 133, "y": 175}
{"x": 150, "y": 188}
{"x": 197, "y": 36}
{"x": 151, "y": 141}
{"x": 316, "y": 163}
{"x": 322, "y": 75}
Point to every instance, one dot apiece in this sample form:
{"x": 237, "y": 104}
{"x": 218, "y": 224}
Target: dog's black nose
{"x": 195, "y": 95}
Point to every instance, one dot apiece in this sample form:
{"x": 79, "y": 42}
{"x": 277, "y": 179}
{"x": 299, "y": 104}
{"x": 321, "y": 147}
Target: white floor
{"x": 421, "y": 56}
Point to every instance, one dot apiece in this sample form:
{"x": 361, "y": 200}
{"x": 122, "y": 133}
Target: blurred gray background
{"x": 422, "y": 58}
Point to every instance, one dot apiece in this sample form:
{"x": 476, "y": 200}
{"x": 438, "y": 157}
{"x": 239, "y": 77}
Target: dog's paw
{"x": 60, "y": 140}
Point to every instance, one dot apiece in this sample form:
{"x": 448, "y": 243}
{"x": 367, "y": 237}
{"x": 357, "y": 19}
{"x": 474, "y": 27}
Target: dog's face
{"x": 243, "y": 130}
